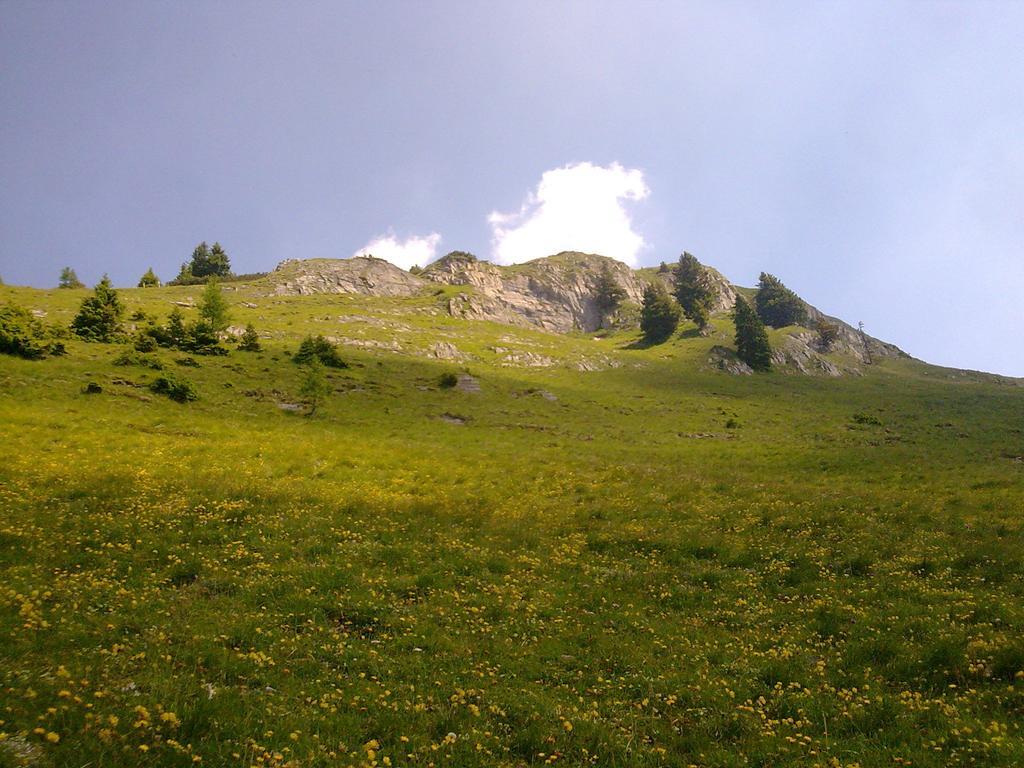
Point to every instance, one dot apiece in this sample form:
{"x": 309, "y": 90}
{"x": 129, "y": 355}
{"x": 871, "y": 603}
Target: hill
{"x": 587, "y": 552}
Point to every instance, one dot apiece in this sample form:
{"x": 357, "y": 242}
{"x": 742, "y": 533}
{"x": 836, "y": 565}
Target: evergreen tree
{"x": 213, "y": 308}
{"x": 68, "y": 279}
{"x": 218, "y": 264}
{"x": 149, "y": 280}
{"x": 828, "y": 334}
{"x": 751, "y": 337}
{"x": 319, "y": 348}
{"x": 778, "y": 306}
{"x": 660, "y": 314}
{"x": 315, "y": 388}
{"x": 250, "y": 341}
{"x": 609, "y": 294}
{"x": 176, "y": 331}
{"x": 99, "y": 316}
{"x": 206, "y": 262}
{"x": 694, "y": 291}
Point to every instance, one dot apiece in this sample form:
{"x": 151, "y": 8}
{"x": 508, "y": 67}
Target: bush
{"x": 99, "y": 316}
{"x": 448, "y": 380}
{"x": 318, "y": 348}
{"x": 134, "y": 358}
{"x": 250, "y": 341}
{"x": 24, "y": 336}
{"x": 179, "y": 390}
{"x": 202, "y": 339}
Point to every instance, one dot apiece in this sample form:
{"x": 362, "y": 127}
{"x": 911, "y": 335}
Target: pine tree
{"x": 219, "y": 264}
{"x": 751, "y": 337}
{"x": 213, "y": 309}
{"x": 99, "y": 316}
{"x": 315, "y": 387}
{"x": 828, "y": 334}
{"x": 778, "y": 306}
{"x": 608, "y": 294}
{"x": 659, "y": 316}
{"x": 176, "y": 331}
{"x": 149, "y": 280}
{"x": 68, "y": 279}
{"x": 694, "y": 291}
{"x": 250, "y": 341}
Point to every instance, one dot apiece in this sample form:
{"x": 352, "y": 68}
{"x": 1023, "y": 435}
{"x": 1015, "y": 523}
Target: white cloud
{"x": 403, "y": 253}
{"x": 578, "y": 207}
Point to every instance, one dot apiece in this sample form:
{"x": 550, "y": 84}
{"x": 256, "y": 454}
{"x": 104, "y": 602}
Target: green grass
{"x": 664, "y": 565}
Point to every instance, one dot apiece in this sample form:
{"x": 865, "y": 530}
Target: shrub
{"x": 659, "y": 316}
{"x": 99, "y": 316}
{"x": 202, "y": 339}
{"x": 134, "y": 358}
{"x": 179, "y": 390}
{"x": 448, "y": 380}
{"x": 319, "y": 348}
{"x": 24, "y": 336}
{"x": 250, "y": 341}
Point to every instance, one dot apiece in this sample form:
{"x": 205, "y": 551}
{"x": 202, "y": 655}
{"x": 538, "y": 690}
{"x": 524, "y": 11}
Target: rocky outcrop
{"x": 557, "y": 293}
{"x": 560, "y": 293}
{"x": 723, "y": 359}
{"x": 362, "y": 274}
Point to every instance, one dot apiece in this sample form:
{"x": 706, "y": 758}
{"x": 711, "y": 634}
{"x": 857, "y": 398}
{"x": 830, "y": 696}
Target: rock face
{"x": 362, "y": 274}
{"x": 557, "y": 293}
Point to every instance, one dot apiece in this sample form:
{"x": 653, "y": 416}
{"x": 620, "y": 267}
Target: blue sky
{"x": 869, "y": 154}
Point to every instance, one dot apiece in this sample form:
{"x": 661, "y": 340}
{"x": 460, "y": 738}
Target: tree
{"x": 149, "y": 280}
{"x": 68, "y": 279}
{"x": 609, "y": 294}
{"x": 250, "y": 341}
{"x": 315, "y": 388}
{"x": 751, "y": 337}
{"x": 99, "y": 316}
{"x": 660, "y": 314}
{"x": 176, "y": 331}
{"x": 828, "y": 334}
{"x": 778, "y": 306}
{"x": 319, "y": 348}
{"x": 206, "y": 262}
{"x": 213, "y": 308}
{"x": 694, "y": 291}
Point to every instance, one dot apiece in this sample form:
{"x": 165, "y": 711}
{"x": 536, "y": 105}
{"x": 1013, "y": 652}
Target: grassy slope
{"x": 612, "y": 578}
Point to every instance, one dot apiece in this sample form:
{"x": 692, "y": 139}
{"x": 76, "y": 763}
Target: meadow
{"x": 645, "y": 564}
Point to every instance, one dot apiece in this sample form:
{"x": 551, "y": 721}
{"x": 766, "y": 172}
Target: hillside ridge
{"x": 558, "y": 293}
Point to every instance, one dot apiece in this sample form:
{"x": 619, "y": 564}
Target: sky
{"x": 871, "y": 155}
